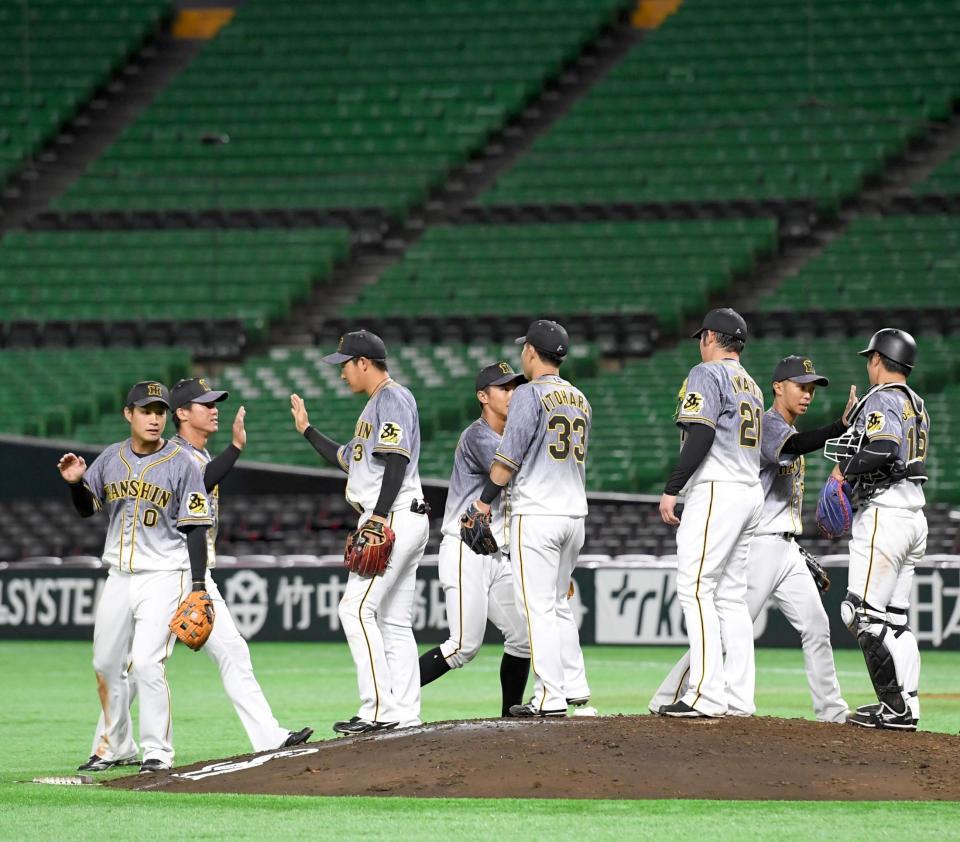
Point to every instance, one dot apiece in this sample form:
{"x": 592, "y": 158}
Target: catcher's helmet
{"x": 896, "y": 345}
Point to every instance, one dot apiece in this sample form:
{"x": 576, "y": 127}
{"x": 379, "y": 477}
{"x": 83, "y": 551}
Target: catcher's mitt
{"x": 820, "y": 577}
{"x": 834, "y": 512}
{"x": 368, "y": 549}
{"x": 193, "y": 620}
{"x": 476, "y": 533}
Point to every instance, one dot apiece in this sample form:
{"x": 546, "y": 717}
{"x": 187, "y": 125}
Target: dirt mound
{"x": 607, "y": 757}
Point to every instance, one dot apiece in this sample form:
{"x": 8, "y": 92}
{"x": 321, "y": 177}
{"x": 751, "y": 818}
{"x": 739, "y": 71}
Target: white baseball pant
{"x": 476, "y": 588}
{"x": 719, "y": 520}
{"x": 543, "y": 554}
{"x": 229, "y": 651}
{"x": 131, "y": 632}
{"x": 376, "y": 614}
{"x": 776, "y": 570}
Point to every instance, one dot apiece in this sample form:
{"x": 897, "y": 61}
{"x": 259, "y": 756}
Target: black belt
{"x": 787, "y": 536}
{"x": 420, "y": 507}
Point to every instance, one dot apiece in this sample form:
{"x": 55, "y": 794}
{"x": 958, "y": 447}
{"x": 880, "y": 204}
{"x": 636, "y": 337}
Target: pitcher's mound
{"x": 608, "y": 757}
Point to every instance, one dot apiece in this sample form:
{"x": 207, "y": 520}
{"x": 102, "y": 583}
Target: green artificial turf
{"x": 50, "y": 708}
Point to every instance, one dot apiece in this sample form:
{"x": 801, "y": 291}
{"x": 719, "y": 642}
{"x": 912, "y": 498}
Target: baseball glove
{"x": 820, "y": 577}
{"x": 476, "y": 533}
{"x": 834, "y": 512}
{"x": 368, "y": 549}
{"x": 193, "y": 620}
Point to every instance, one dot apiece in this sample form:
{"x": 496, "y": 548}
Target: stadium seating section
{"x": 338, "y": 104}
{"x": 669, "y": 269}
{"x": 75, "y": 48}
{"x": 282, "y": 529}
{"x": 878, "y": 261}
{"x": 944, "y": 179}
{"x": 108, "y": 276}
{"x": 50, "y": 393}
{"x": 751, "y": 99}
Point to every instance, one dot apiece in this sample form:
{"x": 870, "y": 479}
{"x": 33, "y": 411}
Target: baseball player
{"x": 543, "y": 456}
{"x": 196, "y": 418}
{"x": 383, "y": 485}
{"x": 776, "y": 567}
{"x": 721, "y": 414}
{"x": 156, "y": 544}
{"x": 480, "y": 586}
{"x": 882, "y": 457}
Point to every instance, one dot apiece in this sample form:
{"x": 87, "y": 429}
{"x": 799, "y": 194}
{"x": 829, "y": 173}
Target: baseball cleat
{"x": 681, "y": 710}
{"x": 874, "y": 708}
{"x": 529, "y": 710}
{"x": 101, "y": 764}
{"x": 356, "y": 725}
{"x": 153, "y": 765}
{"x": 884, "y": 720}
{"x": 296, "y": 738}
{"x": 585, "y": 710}
{"x": 578, "y": 701}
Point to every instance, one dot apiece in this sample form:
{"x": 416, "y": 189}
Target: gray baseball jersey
{"x": 545, "y": 442}
{"x": 723, "y": 395}
{"x": 471, "y": 467}
{"x": 896, "y": 413}
{"x": 781, "y": 477}
{"x": 389, "y": 423}
{"x": 203, "y": 457}
{"x": 148, "y": 499}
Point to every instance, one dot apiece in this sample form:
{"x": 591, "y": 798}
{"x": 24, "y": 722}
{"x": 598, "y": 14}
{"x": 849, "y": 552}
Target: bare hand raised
{"x": 851, "y": 403}
{"x": 299, "y": 411}
{"x": 72, "y": 467}
{"x": 239, "y": 431}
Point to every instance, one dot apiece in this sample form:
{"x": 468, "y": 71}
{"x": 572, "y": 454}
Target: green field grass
{"x": 50, "y": 708}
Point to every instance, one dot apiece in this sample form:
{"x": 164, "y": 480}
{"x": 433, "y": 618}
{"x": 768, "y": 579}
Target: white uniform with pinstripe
{"x": 377, "y": 613}
{"x": 721, "y": 513}
{"x": 226, "y": 646}
{"x": 476, "y": 587}
{"x": 545, "y": 442}
{"x": 148, "y": 499}
{"x": 776, "y": 570}
{"x": 889, "y": 533}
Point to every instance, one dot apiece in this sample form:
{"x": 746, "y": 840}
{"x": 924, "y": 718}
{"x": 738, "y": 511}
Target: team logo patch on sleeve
{"x": 390, "y": 433}
{"x": 875, "y": 423}
{"x": 197, "y": 505}
{"x": 692, "y": 404}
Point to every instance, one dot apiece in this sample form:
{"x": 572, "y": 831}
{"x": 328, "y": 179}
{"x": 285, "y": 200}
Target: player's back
{"x": 896, "y": 413}
{"x": 722, "y": 394}
{"x": 551, "y": 474}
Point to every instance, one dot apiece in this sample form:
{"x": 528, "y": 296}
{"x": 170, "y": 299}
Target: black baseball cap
{"x": 194, "y": 390}
{"x": 723, "y": 320}
{"x": 358, "y": 343}
{"x": 498, "y": 374}
{"x": 799, "y": 370}
{"x": 547, "y": 336}
{"x": 147, "y": 392}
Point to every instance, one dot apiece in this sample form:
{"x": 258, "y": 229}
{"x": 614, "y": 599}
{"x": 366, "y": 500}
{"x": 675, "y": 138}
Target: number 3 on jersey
{"x": 751, "y": 418}
{"x": 571, "y": 437}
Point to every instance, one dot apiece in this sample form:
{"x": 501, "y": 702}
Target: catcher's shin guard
{"x": 875, "y": 638}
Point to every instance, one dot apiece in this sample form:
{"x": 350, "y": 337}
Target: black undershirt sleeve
{"x": 491, "y": 491}
{"x": 82, "y": 499}
{"x": 807, "y": 442}
{"x": 395, "y": 466}
{"x": 696, "y": 446}
{"x": 326, "y": 447}
{"x": 875, "y": 454}
{"x": 219, "y": 467}
{"x": 197, "y": 549}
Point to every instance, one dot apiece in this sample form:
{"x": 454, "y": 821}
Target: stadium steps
{"x": 378, "y": 251}
{"x": 96, "y": 125}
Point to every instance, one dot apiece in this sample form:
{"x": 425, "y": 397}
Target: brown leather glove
{"x": 193, "y": 620}
{"x": 368, "y": 549}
